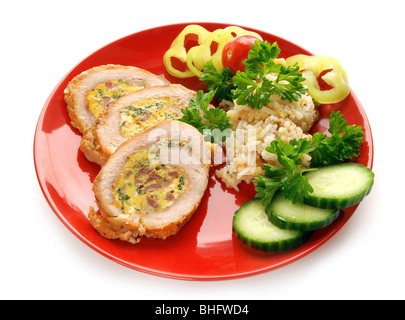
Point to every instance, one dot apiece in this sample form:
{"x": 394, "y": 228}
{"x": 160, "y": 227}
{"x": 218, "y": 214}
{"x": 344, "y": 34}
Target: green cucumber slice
{"x": 252, "y": 226}
{"x": 339, "y": 186}
{"x": 298, "y": 216}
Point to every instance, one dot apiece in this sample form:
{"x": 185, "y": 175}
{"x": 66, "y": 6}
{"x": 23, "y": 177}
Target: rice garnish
{"x": 254, "y": 129}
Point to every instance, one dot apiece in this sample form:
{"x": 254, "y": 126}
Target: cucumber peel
{"x": 252, "y": 226}
{"x": 298, "y": 216}
{"x": 339, "y": 186}
{"x": 284, "y": 225}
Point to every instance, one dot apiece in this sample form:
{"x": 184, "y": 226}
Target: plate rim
{"x": 151, "y": 271}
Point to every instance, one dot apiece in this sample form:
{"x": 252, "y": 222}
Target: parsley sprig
{"x": 289, "y": 179}
{"x": 221, "y": 81}
{"x": 343, "y": 143}
{"x": 205, "y": 117}
{"x": 253, "y": 87}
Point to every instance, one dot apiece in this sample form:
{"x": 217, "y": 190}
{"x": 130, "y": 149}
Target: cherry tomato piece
{"x": 236, "y": 51}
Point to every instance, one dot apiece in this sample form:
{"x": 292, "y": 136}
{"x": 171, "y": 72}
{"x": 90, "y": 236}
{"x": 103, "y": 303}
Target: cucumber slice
{"x": 339, "y": 186}
{"x": 298, "y": 216}
{"x": 252, "y": 226}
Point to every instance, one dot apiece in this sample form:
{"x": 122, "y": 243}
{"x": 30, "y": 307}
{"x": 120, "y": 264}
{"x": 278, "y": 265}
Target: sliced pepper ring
{"x": 197, "y": 57}
{"x": 178, "y": 50}
{"x": 312, "y": 67}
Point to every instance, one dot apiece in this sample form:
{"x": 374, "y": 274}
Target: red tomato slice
{"x": 236, "y": 51}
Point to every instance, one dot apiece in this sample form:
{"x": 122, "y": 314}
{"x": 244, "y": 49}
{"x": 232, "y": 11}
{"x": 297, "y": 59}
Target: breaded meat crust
{"x": 102, "y": 139}
{"x": 113, "y": 222}
{"x": 75, "y": 93}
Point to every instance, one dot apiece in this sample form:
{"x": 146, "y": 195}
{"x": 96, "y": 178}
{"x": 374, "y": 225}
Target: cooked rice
{"x": 254, "y": 129}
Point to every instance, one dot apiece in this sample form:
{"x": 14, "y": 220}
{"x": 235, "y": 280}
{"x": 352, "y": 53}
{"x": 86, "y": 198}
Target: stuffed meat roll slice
{"x": 153, "y": 183}
{"x": 130, "y": 115}
{"x": 90, "y": 92}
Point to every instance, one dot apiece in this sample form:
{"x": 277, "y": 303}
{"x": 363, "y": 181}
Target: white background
{"x": 42, "y": 40}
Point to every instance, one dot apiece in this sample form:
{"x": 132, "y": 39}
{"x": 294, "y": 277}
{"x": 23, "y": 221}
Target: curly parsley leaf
{"x": 221, "y": 81}
{"x": 266, "y": 188}
{"x": 288, "y": 84}
{"x": 202, "y": 100}
{"x": 292, "y": 151}
{"x": 251, "y": 92}
{"x": 205, "y": 117}
{"x": 343, "y": 144}
{"x": 254, "y": 87}
{"x": 260, "y": 59}
{"x": 192, "y": 117}
{"x": 288, "y": 179}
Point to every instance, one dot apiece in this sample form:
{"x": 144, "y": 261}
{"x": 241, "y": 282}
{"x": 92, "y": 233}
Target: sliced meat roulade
{"x": 131, "y": 114}
{"x": 152, "y": 184}
{"x": 90, "y": 92}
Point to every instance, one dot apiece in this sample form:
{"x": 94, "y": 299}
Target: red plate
{"x": 206, "y": 248}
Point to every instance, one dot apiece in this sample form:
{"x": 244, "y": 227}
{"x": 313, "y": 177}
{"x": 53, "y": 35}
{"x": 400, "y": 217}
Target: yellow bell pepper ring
{"x": 312, "y": 67}
{"x": 198, "y": 56}
{"x": 210, "y": 46}
{"x": 178, "y": 50}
